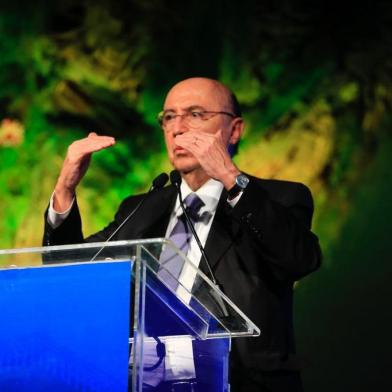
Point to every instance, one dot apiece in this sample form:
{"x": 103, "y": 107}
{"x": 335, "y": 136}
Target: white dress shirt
{"x": 209, "y": 193}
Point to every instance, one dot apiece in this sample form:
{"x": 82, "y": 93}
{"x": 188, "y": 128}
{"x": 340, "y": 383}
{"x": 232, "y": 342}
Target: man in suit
{"x": 257, "y": 235}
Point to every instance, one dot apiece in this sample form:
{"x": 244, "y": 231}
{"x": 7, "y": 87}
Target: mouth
{"x": 180, "y": 150}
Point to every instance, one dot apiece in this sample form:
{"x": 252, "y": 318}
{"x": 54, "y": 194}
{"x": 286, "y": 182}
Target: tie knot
{"x": 193, "y": 204}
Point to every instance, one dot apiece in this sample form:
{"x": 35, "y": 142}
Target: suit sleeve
{"x": 276, "y": 224}
{"x": 70, "y": 231}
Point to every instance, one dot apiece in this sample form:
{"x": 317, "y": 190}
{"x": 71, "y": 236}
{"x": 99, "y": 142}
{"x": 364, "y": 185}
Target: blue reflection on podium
{"x": 167, "y": 318}
{"x": 52, "y": 333}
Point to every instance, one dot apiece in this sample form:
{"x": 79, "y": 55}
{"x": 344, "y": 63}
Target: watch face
{"x": 242, "y": 181}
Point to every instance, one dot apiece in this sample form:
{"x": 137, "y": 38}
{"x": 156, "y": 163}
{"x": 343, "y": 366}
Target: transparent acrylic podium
{"x": 112, "y": 324}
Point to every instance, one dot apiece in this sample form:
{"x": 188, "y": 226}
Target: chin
{"x": 185, "y": 164}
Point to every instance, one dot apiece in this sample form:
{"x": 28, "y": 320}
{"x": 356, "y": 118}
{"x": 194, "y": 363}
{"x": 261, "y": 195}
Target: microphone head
{"x": 175, "y": 178}
{"x": 160, "y": 181}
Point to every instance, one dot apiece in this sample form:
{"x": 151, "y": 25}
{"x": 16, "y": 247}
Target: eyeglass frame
{"x": 189, "y": 112}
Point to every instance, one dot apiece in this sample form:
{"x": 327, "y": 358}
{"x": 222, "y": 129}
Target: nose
{"x": 180, "y": 125}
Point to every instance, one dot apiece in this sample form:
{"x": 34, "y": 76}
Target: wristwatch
{"x": 241, "y": 182}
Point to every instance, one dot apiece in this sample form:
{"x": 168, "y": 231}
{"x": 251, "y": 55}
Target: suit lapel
{"x": 156, "y": 212}
{"x": 221, "y": 235}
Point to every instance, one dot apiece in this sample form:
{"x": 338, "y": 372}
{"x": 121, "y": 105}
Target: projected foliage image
{"x": 315, "y": 84}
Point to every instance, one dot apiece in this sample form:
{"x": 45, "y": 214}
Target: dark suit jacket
{"x": 258, "y": 249}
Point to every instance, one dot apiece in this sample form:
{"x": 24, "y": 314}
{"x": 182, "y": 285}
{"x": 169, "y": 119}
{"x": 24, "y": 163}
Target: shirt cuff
{"x": 55, "y": 219}
{"x": 232, "y": 203}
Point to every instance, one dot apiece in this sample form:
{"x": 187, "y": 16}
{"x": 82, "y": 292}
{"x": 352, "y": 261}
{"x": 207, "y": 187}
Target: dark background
{"x": 315, "y": 83}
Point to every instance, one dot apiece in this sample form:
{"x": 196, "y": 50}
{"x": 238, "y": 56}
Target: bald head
{"x": 219, "y": 96}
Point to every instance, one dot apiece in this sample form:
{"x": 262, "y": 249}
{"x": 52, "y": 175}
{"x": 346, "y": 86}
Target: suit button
{"x": 246, "y": 218}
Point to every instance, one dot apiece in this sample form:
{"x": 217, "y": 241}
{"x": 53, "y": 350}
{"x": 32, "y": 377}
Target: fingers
{"x": 99, "y": 141}
{"x": 210, "y": 150}
{"x": 92, "y": 143}
{"x": 201, "y": 142}
{"x": 77, "y": 161}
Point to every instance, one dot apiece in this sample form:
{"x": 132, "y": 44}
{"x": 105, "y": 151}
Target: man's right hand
{"x": 75, "y": 166}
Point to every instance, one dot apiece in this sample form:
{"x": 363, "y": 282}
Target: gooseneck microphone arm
{"x": 158, "y": 183}
{"x": 175, "y": 179}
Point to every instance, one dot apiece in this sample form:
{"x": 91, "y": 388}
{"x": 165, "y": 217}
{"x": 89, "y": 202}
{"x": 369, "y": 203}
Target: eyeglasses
{"x": 193, "y": 118}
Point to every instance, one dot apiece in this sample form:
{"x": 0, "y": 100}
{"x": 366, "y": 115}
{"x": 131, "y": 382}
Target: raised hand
{"x": 75, "y": 166}
{"x": 211, "y": 152}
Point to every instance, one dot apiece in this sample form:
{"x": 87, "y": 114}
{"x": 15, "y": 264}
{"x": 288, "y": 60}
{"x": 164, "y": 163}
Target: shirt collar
{"x": 209, "y": 193}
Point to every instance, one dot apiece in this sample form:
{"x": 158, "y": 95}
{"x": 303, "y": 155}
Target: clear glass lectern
{"x": 99, "y": 317}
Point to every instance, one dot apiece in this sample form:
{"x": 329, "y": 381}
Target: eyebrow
{"x": 187, "y": 109}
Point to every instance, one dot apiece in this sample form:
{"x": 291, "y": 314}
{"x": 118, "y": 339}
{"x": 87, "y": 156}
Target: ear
{"x": 237, "y": 129}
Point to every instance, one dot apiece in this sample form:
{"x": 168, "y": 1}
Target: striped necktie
{"x": 181, "y": 235}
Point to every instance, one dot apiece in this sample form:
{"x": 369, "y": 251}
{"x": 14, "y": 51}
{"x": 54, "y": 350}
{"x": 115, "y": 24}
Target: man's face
{"x": 202, "y": 95}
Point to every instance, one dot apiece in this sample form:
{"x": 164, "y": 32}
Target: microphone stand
{"x": 157, "y": 183}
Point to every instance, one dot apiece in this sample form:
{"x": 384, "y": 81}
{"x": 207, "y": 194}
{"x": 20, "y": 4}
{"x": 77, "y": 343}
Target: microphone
{"x": 175, "y": 179}
{"x": 158, "y": 183}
